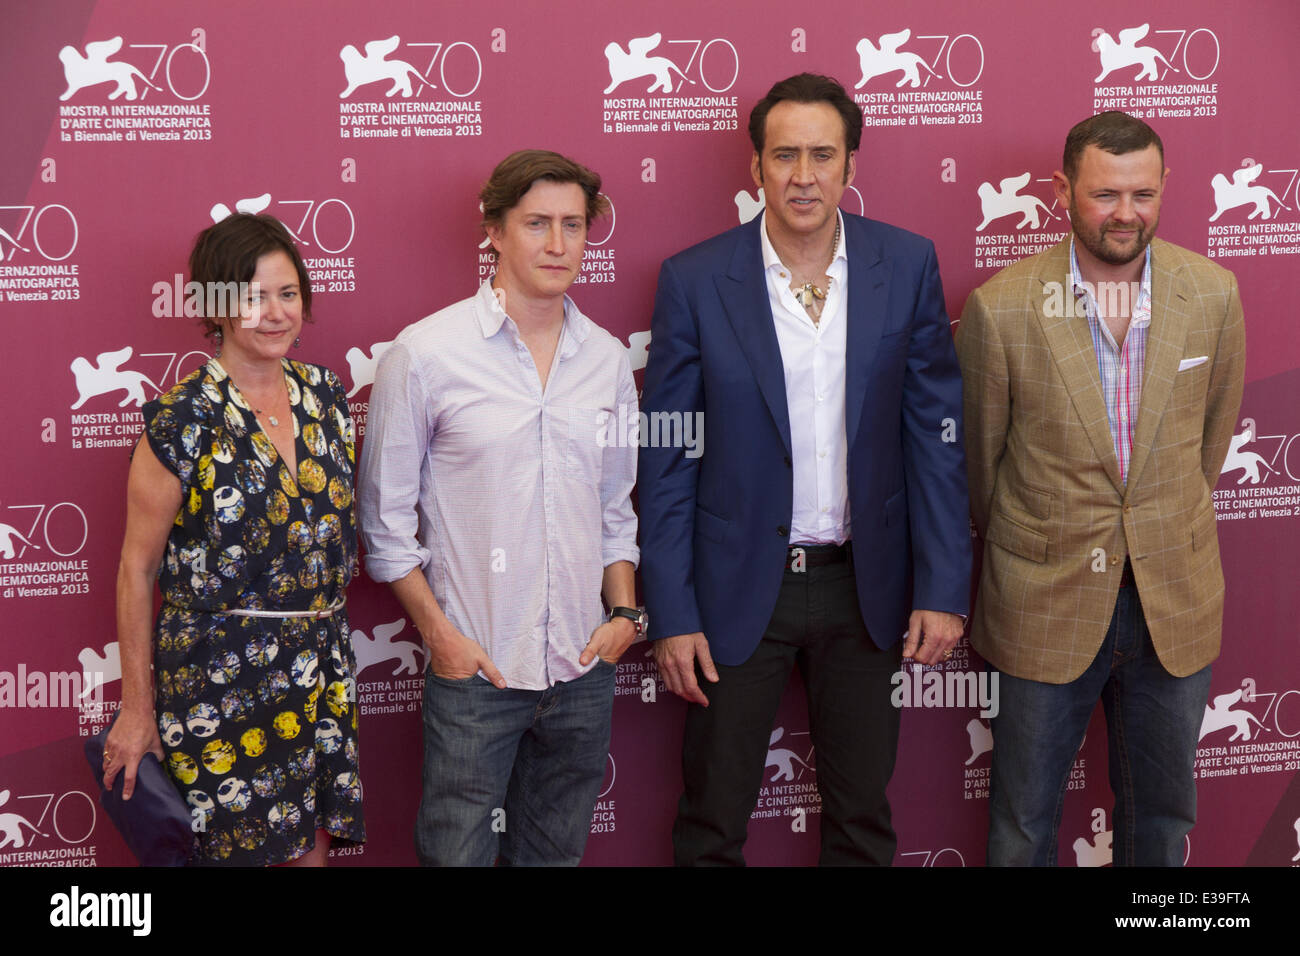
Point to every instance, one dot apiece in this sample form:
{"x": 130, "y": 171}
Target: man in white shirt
{"x": 493, "y": 501}
{"x": 827, "y": 517}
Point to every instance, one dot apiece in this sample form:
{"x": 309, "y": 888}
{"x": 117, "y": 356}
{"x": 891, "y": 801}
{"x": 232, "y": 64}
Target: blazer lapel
{"x": 742, "y": 289}
{"x": 869, "y": 278}
{"x": 1166, "y": 339}
{"x": 1070, "y": 341}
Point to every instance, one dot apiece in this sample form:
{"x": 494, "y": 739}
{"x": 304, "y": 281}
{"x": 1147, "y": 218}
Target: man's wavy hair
{"x": 517, "y": 173}
{"x": 808, "y": 88}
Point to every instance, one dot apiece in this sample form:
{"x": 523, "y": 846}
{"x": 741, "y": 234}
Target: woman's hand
{"x": 133, "y": 735}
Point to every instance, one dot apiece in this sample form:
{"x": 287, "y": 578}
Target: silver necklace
{"x": 275, "y": 422}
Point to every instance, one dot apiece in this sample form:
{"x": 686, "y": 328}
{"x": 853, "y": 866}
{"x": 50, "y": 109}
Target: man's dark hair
{"x": 1115, "y": 132}
{"x": 228, "y": 251}
{"x": 515, "y": 175}
{"x": 808, "y": 88}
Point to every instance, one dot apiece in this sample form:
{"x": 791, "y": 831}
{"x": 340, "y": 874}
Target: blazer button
{"x": 787, "y": 462}
{"x": 782, "y": 530}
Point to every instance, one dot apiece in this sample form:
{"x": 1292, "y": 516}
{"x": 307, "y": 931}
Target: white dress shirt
{"x": 814, "y": 360}
{"x": 512, "y": 499}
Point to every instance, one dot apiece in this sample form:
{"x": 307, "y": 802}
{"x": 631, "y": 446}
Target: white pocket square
{"x": 1185, "y": 364}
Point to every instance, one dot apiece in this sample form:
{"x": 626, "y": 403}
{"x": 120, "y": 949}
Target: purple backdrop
{"x": 129, "y": 126}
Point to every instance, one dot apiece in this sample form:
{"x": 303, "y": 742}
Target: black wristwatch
{"x": 637, "y": 616}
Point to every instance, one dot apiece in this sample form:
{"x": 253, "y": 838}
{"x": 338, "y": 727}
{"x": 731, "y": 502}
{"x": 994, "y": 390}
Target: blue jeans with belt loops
{"x": 511, "y": 776}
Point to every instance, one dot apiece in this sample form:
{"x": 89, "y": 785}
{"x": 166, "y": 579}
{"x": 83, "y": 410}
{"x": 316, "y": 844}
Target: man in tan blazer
{"x": 1102, "y": 380}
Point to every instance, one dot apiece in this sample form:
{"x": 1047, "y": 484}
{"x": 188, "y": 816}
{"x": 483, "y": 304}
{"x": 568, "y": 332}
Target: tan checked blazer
{"x": 1045, "y": 487}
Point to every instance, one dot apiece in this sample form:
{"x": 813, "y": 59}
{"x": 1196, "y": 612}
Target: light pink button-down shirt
{"x": 512, "y": 499}
{"x": 1120, "y": 367}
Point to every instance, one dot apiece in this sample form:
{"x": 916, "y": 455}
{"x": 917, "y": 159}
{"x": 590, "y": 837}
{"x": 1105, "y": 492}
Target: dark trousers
{"x": 818, "y": 625}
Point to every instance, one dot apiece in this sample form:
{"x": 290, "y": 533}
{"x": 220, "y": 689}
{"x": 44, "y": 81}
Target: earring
{"x": 297, "y": 342}
{"x": 218, "y": 337}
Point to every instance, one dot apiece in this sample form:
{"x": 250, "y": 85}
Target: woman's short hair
{"x": 228, "y": 251}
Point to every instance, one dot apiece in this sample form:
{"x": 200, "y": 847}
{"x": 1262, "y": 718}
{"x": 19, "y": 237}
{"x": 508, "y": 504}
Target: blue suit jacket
{"x": 715, "y": 529}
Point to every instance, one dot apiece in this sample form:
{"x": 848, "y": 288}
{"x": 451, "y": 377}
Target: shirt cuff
{"x": 395, "y": 565}
{"x": 611, "y": 553}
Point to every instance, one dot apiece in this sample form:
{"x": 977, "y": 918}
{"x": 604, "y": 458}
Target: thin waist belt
{"x": 253, "y": 612}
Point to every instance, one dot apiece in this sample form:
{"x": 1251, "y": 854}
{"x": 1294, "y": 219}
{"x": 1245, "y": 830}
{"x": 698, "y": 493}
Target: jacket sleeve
{"x": 933, "y": 455}
{"x": 987, "y": 402}
{"x": 667, "y": 477}
{"x": 1227, "y": 381}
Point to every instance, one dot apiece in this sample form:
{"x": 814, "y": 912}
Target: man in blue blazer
{"x": 829, "y": 499}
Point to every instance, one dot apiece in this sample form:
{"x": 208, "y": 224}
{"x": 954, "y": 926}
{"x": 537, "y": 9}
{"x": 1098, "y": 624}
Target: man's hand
{"x": 676, "y": 658}
{"x": 931, "y": 636}
{"x": 609, "y": 641}
{"x": 453, "y": 656}
{"x": 133, "y": 735}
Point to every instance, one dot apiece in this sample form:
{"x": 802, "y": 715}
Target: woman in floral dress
{"x": 239, "y": 501}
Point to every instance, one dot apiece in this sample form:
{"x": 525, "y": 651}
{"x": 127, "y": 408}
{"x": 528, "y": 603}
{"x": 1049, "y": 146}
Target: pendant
{"x": 809, "y": 294}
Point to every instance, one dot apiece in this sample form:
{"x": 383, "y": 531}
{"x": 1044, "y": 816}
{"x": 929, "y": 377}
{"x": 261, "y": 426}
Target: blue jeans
{"x": 512, "y": 773}
{"x": 1153, "y": 720}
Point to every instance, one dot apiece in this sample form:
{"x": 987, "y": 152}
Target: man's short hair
{"x": 808, "y": 88}
{"x": 1115, "y": 132}
{"x": 515, "y": 175}
{"x": 228, "y": 251}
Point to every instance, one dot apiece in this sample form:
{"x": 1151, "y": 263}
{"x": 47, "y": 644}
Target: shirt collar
{"x": 491, "y": 316}
{"x": 1141, "y": 316}
{"x": 772, "y": 260}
